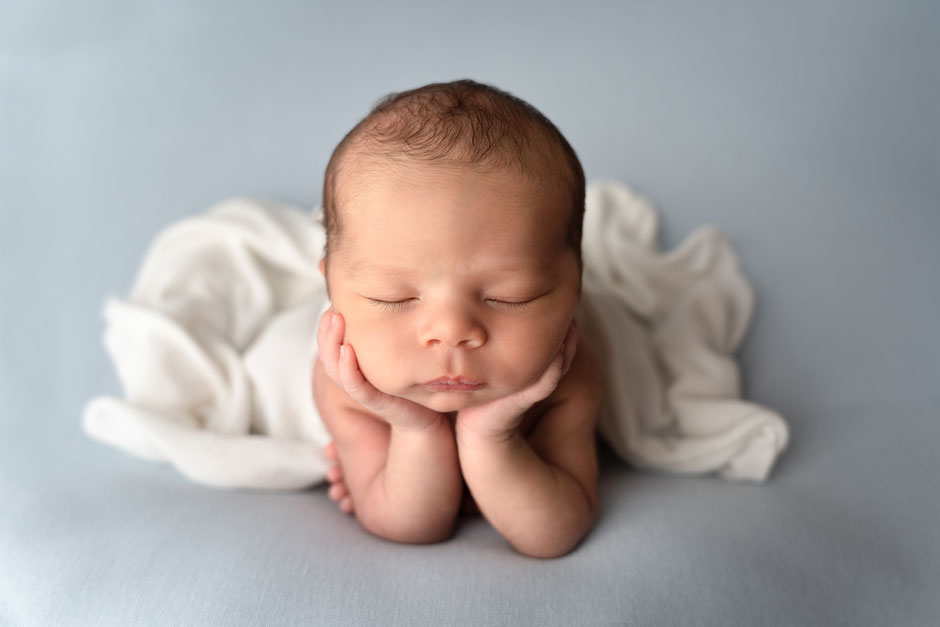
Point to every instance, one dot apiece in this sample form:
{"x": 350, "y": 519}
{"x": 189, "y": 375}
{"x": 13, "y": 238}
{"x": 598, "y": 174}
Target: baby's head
{"x": 453, "y": 216}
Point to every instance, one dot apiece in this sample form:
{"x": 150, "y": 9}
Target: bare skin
{"x": 460, "y": 365}
{"x": 339, "y": 493}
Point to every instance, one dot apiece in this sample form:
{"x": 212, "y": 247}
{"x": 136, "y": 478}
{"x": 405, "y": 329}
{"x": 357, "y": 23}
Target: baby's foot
{"x": 338, "y": 491}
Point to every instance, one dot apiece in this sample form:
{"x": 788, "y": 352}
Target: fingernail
{"x": 332, "y": 321}
{"x": 343, "y": 353}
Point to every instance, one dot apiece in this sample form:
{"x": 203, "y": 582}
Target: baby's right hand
{"x": 340, "y": 364}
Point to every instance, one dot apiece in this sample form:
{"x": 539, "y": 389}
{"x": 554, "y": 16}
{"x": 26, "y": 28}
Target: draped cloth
{"x": 215, "y": 345}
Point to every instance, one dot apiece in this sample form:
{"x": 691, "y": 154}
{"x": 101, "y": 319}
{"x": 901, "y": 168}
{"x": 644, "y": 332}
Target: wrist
{"x": 434, "y": 425}
{"x": 469, "y": 438}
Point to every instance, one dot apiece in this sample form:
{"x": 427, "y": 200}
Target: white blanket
{"x": 215, "y": 347}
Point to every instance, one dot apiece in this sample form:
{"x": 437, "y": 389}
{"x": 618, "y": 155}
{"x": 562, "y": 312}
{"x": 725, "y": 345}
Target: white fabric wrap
{"x": 667, "y": 326}
{"x": 215, "y": 346}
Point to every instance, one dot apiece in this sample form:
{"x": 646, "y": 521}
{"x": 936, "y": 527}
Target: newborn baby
{"x": 450, "y": 368}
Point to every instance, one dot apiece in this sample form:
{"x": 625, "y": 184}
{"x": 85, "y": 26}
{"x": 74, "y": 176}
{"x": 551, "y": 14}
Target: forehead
{"x": 419, "y": 204}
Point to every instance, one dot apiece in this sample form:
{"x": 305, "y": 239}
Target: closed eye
{"x": 390, "y": 305}
{"x": 510, "y": 305}
{"x": 505, "y": 305}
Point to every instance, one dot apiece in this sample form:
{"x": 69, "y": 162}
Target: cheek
{"x": 376, "y": 343}
{"x": 526, "y": 349}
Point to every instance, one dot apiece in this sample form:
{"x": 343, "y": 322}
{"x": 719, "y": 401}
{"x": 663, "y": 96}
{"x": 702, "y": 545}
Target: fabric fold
{"x": 667, "y": 326}
{"x": 215, "y": 345}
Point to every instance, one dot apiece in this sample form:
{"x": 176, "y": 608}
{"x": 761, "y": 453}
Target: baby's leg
{"x": 338, "y": 491}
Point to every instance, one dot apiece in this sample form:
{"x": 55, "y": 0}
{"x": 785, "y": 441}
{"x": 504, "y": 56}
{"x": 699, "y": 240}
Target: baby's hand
{"x": 501, "y": 417}
{"x": 340, "y": 364}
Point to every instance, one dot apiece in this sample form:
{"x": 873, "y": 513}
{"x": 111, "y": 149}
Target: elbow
{"x": 557, "y": 542}
{"x": 409, "y": 530}
{"x": 548, "y": 550}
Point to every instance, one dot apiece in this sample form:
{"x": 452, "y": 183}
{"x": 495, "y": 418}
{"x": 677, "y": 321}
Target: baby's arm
{"x": 401, "y": 468}
{"x": 541, "y": 494}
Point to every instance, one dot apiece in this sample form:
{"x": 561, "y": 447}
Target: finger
{"x": 323, "y": 348}
{"x": 346, "y": 505}
{"x": 334, "y": 474}
{"x": 522, "y": 400}
{"x": 323, "y": 328}
{"x": 356, "y": 385}
{"x": 329, "y": 345}
{"x": 546, "y": 383}
{"x": 570, "y": 347}
{"x": 393, "y": 409}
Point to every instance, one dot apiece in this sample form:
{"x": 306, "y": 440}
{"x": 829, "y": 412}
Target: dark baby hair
{"x": 461, "y": 123}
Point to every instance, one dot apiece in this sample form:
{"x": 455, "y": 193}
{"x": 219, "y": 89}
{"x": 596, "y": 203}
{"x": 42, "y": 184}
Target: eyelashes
{"x": 390, "y": 305}
{"x": 510, "y": 305}
{"x": 505, "y": 305}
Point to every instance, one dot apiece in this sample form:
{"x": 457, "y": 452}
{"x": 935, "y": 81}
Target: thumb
{"x": 543, "y": 386}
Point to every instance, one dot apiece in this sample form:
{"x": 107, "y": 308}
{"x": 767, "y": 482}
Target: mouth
{"x": 453, "y": 384}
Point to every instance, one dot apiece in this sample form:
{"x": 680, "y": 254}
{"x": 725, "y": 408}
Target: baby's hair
{"x": 461, "y": 123}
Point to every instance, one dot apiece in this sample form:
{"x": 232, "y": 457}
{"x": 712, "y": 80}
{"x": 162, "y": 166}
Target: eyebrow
{"x": 354, "y": 268}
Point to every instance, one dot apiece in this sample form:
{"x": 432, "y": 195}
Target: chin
{"x": 445, "y": 402}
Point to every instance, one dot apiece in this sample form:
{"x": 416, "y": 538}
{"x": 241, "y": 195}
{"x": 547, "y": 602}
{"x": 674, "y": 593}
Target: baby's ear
{"x": 323, "y": 266}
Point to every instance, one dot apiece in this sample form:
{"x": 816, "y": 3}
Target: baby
{"x": 450, "y": 368}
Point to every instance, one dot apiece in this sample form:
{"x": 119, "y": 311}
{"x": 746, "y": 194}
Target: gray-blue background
{"x": 809, "y": 132}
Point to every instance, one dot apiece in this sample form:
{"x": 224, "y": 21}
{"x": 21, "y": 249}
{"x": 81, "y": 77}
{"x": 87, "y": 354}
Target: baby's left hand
{"x": 499, "y": 419}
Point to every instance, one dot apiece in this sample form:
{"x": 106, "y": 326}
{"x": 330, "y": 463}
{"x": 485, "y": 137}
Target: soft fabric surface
{"x": 839, "y": 536}
{"x": 216, "y": 342}
{"x": 208, "y": 287}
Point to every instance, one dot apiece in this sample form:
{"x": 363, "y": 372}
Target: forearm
{"x": 539, "y": 508}
{"x": 415, "y": 496}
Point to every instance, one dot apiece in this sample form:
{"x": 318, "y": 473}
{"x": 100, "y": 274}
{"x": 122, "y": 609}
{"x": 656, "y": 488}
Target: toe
{"x": 334, "y": 474}
{"x": 338, "y": 491}
{"x": 330, "y": 452}
{"x": 346, "y": 505}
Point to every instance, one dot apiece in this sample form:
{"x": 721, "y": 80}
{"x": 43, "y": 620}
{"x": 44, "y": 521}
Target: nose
{"x": 452, "y": 326}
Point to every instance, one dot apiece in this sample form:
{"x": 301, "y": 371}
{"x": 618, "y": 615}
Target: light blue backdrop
{"x": 809, "y": 132}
